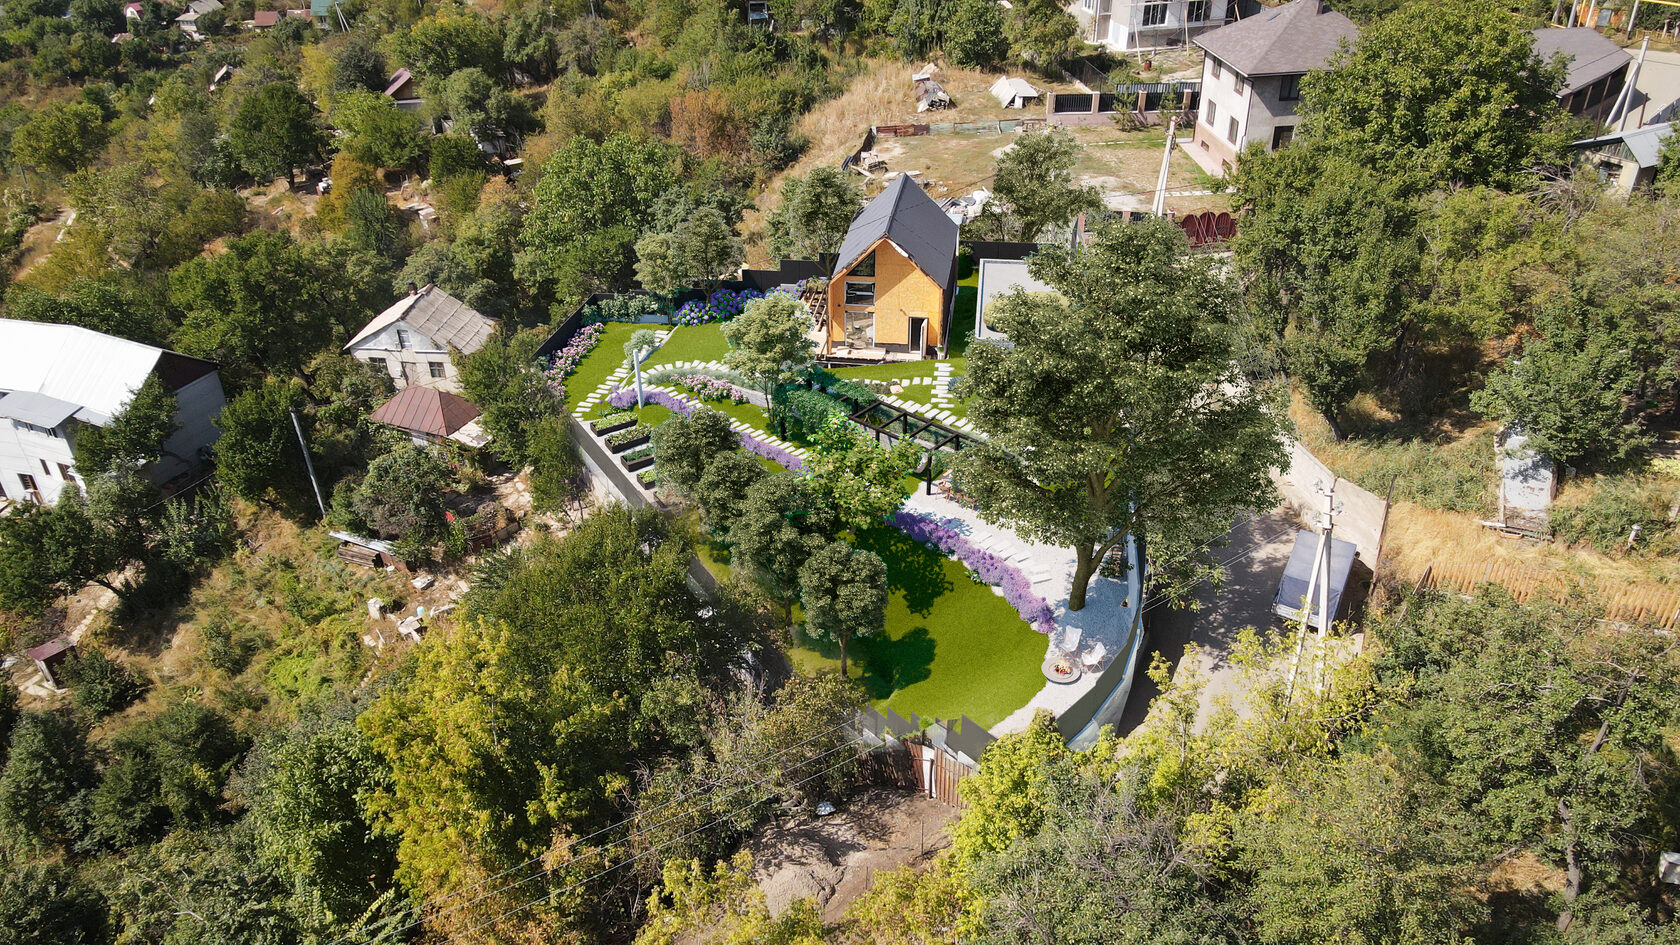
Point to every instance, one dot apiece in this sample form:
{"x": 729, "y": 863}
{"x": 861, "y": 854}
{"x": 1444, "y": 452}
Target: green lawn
{"x": 605, "y": 358}
{"x": 951, "y": 646}
{"x": 691, "y": 343}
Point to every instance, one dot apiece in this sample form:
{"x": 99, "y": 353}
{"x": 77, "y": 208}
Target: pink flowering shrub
{"x": 566, "y": 360}
{"x": 711, "y": 388}
{"x": 988, "y": 567}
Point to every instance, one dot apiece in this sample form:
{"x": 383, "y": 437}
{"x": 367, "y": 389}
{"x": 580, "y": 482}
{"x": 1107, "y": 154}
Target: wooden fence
{"x": 913, "y": 766}
{"x": 957, "y": 128}
{"x": 1637, "y": 606}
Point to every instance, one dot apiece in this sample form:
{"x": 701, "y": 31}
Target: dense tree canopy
{"x": 1114, "y": 411}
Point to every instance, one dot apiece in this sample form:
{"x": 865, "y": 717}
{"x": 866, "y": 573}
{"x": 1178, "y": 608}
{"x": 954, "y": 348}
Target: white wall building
{"x": 1127, "y": 25}
{"x": 1251, "y": 78}
{"x": 59, "y": 379}
{"x": 410, "y": 341}
{"x": 999, "y": 278}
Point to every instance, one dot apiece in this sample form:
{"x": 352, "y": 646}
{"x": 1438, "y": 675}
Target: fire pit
{"x": 1061, "y": 668}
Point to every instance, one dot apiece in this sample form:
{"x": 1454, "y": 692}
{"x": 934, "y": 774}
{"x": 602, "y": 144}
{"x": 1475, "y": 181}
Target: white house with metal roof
{"x": 1627, "y": 160}
{"x": 56, "y": 380}
{"x": 411, "y": 341}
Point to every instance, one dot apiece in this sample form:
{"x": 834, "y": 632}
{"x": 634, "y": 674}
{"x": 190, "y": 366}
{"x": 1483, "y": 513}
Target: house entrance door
{"x": 918, "y": 334}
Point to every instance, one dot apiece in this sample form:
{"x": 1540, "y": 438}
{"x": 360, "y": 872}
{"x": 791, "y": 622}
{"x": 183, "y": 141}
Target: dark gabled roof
{"x": 1294, "y": 38}
{"x": 1591, "y": 56}
{"x": 905, "y": 214}
{"x": 399, "y": 78}
{"x": 426, "y": 410}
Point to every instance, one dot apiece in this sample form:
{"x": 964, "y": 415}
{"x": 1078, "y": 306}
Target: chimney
{"x": 412, "y": 288}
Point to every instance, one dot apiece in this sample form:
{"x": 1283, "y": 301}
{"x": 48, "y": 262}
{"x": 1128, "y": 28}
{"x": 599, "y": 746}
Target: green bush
{"x": 100, "y": 685}
{"x": 621, "y": 308}
{"x": 1609, "y": 513}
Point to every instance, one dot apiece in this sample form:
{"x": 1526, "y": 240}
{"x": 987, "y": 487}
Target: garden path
{"x": 1110, "y": 605}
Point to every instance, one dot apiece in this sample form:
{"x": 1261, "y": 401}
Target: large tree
{"x": 844, "y": 593}
{"x": 1117, "y": 409}
{"x": 1034, "y": 187}
{"x": 1570, "y": 388}
{"x": 770, "y": 340}
{"x": 263, "y": 307}
{"x": 59, "y": 138}
{"x": 815, "y": 212}
{"x": 275, "y": 130}
{"x": 132, "y": 438}
{"x": 684, "y": 447}
{"x": 588, "y": 188}
{"x": 1446, "y": 91}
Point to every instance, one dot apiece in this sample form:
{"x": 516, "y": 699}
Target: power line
{"x": 598, "y": 874}
{"x": 634, "y": 833}
{"x": 625, "y": 839}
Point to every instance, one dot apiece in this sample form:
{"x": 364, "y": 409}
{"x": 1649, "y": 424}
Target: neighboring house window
{"x": 1154, "y": 14}
{"x": 1212, "y": 112}
{"x": 436, "y": 367}
{"x": 64, "y": 472}
{"x": 860, "y": 293}
{"x": 1237, "y": 83}
{"x": 384, "y": 364}
{"x": 1232, "y": 133}
{"x": 1218, "y": 68}
{"x": 1289, "y": 88}
{"x": 1282, "y": 135}
{"x": 865, "y": 266}
{"x": 45, "y": 469}
{"x": 403, "y": 339}
{"x": 44, "y": 431}
{"x": 29, "y": 486}
{"x": 1196, "y": 12}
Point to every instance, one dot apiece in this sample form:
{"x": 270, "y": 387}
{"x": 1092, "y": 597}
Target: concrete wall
{"x": 21, "y": 453}
{"x": 902, "y": 292}
{"x": 1118, "y": 24}
{"x": 1211, "y": 146}
{"x": 1363, "y": 513}
{"x": 411, "y": 364}
{"x": 1267, "y": 111}
{"x": 196, "y": 407}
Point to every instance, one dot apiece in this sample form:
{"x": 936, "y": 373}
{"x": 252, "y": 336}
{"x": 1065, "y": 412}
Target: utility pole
{"x": 1624, "y": 101}
{"x": 308, "y": 463}
{"x": 1318, "y": 592}
{"x": 1159, "y": 208}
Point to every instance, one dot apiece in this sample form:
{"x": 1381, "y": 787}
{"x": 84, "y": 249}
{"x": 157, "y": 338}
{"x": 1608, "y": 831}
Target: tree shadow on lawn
{"x": 913, "y": 569}
{"x": 880, "y": 664}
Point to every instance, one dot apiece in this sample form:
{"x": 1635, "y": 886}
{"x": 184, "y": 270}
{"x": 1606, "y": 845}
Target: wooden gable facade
{"x": 892, "y": 292}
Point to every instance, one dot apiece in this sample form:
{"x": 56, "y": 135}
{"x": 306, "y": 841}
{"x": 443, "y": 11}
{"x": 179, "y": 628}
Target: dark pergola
{"x": 882, "y": 419}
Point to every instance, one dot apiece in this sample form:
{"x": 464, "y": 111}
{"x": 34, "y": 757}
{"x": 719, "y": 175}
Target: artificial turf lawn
{"x": 602, "y": 360}
{"x": 690, "y": 343}
{"x": 950, "y": 647}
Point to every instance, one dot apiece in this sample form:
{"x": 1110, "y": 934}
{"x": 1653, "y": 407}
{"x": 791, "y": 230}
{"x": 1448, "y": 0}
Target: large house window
{"x": 860, "y": 293}
{"x": 1196, "y": 11}
{"x": 865, "y": 266}
{"x": 403, "y": 339}
{"x": 1282, "y": 135}
{"x": 1232, "y": 132}
{"x": 860, "y": 327}
{"x": 1218, "y": 67}
{"x": 44, "y": 431}
{"x": 1289, "y": 88}
{"x": 64, "y": 472}
{"x": 1154, "y": 14}
{"x": 1212, "y": 112}
{"x": 436, "y": 367}
{"x": 29, "y": 487}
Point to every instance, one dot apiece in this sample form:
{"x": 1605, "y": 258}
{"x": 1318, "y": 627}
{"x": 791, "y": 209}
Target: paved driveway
{"x": 1260, "y": 548}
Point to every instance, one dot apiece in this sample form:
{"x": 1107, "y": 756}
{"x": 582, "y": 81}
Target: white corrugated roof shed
{"x": 97, "y": 372}
{"x": 1013, "y": 92}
